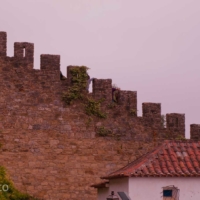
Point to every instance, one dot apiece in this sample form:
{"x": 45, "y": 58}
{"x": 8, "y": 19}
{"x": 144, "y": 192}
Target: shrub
{"x": 102, "y": 131}
{"x": 10, "y": 192}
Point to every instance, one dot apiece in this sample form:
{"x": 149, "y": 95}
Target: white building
{"x": 171, "y": 172}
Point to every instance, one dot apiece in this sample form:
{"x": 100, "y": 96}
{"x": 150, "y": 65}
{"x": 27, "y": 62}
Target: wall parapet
{"x": 3, "y": 44}
{"x": 151, "y": 113}
{"x": 24, "y": 53}
{"x": 176, "y": 123}
{"x": 128, "y": 99}
{"x": 101, "y": 88}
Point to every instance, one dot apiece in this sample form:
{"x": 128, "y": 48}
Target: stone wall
{"x": 55, "y": 151}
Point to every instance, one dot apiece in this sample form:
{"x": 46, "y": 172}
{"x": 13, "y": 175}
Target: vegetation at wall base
{"x": 180, "y": 137}
{"x": 10, "y": 192}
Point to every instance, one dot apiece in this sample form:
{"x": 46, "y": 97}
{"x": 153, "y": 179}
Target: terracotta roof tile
{"x": 172, "y": 158}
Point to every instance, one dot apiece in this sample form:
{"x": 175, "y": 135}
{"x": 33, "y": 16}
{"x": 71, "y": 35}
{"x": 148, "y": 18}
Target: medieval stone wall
{"x": 56, "y": 151}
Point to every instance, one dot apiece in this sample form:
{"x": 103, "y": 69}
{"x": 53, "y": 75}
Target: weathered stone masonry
{"x": 52, "y": 150}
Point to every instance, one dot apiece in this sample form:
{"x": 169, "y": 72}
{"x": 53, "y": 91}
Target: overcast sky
{"x": 148, "y": 46}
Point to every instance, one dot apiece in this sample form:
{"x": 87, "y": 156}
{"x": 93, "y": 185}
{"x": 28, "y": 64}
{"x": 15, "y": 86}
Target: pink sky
{"x": 148, "y": 46}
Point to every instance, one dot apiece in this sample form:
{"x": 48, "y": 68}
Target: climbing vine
{"x": 92, "y": 107}
{"x": 77, "y": 91}
{"x": 79, "y": 84}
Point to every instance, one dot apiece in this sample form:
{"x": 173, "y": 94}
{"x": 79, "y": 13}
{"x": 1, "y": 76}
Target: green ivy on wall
{"x": 79, "y": 83}
{"x": 77, "y": 91}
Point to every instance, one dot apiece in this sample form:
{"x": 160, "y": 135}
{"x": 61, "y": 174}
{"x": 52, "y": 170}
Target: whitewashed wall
{"x": 145, "y": 188}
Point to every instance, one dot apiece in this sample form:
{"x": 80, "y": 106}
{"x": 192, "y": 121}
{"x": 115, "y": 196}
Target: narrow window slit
{"x": 24, "y": 52}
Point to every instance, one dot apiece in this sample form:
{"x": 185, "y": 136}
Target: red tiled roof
{"x": 172, "y": 158}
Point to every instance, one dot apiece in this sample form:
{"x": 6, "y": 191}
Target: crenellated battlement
{"x": 128, "y": 100}
{"x": 24, "y": 54}
{"x": 102, "y": 89}
{"x": 151, "y": 110}
{"x": 49, "y": 76}
{"x": 176, "y": 123}
{"x": 195, "y": 131}
{"x": 50, "y": 62}
{"x": 151, "y": 113}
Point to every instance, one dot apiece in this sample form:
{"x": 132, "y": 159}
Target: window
{"x": 167, "y": 193}
{"x": 170, "y": 193}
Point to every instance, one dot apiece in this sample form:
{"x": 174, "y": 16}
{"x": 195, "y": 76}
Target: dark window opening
{"x": 170, "y": 192}
{"x": 167, "y": 193}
